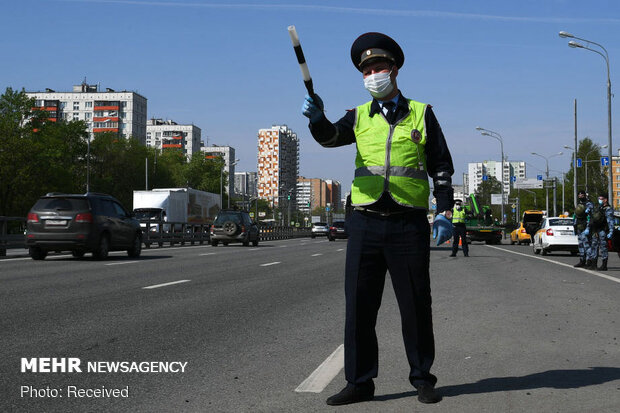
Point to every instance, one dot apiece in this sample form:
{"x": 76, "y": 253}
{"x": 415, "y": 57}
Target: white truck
{"x": 175, "y": 205}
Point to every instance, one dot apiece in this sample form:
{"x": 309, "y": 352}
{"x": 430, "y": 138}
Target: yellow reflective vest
{"x": 458, "y": 217}
{"x": 391, "y": 158}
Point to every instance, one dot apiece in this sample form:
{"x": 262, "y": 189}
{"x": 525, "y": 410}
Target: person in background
{"x": 399, "y": 145}
{"x": 580, "y": 221}
{"x": 601, "y": 226}
{"x": 460, "y": 229}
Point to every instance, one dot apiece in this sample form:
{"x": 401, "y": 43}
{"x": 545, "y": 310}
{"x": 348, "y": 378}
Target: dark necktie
{"x": 391, "y": 114}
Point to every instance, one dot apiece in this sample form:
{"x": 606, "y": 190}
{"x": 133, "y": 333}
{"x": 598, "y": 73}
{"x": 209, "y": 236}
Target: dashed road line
{"x": 598, "y": 274}
{"x": 150, "y": 287}
{"x": 324, "y": 374}
{"x": 316, "y": 255}
{"x": 122, "y": 262}
{"x": 208, "y": 253}
{"x": 270, "y": 263}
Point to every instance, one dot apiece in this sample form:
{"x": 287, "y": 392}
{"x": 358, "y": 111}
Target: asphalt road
{"x": 514, "y": 331}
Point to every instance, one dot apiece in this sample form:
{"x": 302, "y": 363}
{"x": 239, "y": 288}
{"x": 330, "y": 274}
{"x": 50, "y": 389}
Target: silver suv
{"x": 319, "y": 228}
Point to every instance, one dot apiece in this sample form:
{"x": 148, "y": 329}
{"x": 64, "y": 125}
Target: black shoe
{"x": 593, "y": 265}
{"x": 580, "y": 264}
{"x": 603, "y": 266}
{"x": 467, "y": 255}
{"x": 453, "y": 255}
{"x": 352, "y": 394}
{"x": 427, "y": 393}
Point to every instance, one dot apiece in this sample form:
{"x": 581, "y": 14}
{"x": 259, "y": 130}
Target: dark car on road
{"x": 92, "y": 222}
{"x": 234, "y": 226}
{"x": 337, "y": 230}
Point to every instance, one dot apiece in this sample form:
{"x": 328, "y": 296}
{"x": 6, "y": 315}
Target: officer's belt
{"x": 387, "y": 213}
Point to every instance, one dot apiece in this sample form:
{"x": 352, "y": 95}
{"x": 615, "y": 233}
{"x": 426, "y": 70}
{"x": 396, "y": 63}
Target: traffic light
{"x": 288, "y": 197}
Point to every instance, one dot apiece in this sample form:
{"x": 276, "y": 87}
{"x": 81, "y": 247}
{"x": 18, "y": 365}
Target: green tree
{"x": 36, "y": 155}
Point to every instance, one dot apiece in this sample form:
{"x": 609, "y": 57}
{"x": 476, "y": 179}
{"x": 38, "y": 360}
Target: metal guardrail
{"x": 12, "y": 233}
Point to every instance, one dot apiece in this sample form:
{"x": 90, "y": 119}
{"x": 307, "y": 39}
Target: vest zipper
{"x": 388, "y": 152}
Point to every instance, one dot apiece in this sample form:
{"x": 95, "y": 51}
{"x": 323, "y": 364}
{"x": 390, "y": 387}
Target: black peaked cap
{"x": 374, "y": 40}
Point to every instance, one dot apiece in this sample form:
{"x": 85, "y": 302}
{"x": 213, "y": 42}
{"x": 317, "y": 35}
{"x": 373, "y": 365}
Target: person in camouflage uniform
{"x": 601, "y": 226}
{"x": 582, "y": 211}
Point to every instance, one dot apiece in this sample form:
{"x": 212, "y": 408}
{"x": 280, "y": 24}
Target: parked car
{"x": 532, "y": 218}
{"x": 319, "y": 229}
{"x": 92, "y": 222}
{"x": 337, "y": 231}
{"x": 520, "y": 235}
{"x": 556, "y": 234}
{"x": 232, "y": 225}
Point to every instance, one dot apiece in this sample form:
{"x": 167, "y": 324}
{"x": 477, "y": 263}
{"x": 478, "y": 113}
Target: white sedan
{"x": 556, "y": 234}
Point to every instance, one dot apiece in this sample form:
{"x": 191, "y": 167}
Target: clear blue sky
{"x": 229, "y": 67}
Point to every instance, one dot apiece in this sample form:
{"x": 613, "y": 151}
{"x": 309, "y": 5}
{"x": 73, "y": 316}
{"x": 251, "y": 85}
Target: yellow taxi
{"x": 520, "y": 235}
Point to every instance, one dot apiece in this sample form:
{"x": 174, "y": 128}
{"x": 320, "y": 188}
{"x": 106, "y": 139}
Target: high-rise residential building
{"x": 316, "y": 193}
{"x": 278, "y": 164}
{"x": 245, "y": 184}
{"x": 615, "y": 180}
{"x": 334, "y": 194}
{"x": 167, "y": 134}
{"x": 227, "y": 153}
{"x": 121, "y": 112}
{"x": 478, "y": 170}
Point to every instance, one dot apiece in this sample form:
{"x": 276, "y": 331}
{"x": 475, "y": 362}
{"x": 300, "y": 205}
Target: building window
{"x": 76, "y": 116}
{"x": 123, "y": 114}
{"x": 88, "y": 104}
{"x": 88, "y": 114}
{"x": 123, "y": 104}
{"x": 76, "y": 105}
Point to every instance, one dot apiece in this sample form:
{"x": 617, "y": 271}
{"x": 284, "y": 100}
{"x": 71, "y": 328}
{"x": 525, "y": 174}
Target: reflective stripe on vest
{"x": 458, "y": 217}
{"x": 391, "y": 158}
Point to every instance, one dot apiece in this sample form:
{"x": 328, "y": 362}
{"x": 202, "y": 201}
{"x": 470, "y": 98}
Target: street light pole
{"x": 546, "y": 183}
{"x": 586, "y": 161}
{"x": 487, "y": 132}
{"x": 605, "y": 56}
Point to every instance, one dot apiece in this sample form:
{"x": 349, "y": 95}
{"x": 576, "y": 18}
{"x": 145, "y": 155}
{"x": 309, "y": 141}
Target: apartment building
{"x": 278, "y": 164}
{"x": 169, "y": 135}
{"x": 315, "y": 193}
{"x": 121, "y": 112}
{"x": 478, "y": 170}
{"x": 245, "y": 184}
{"x": 227, "y": 153}
{"x": 615, "y": 180}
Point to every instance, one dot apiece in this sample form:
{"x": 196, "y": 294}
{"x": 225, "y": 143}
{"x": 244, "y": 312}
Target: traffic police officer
{"x": 582, "y": 211}
{"x": 601, "y": 226}
{"x": 460, "y": 230}
{"x": 399, "y": 144}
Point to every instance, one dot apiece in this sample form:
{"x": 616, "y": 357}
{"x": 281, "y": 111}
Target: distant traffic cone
{"x": 460, "y": 242}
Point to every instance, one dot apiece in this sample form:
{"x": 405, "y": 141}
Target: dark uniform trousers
{"x": 460, "y": 232}
{"x": 399, "y": 244}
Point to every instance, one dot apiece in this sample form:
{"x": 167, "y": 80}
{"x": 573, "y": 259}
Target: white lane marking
{"x": 340, "y": 249}
{"x": 316, "y": 255}
{"x": 324, "y": 374}
{"x": 284, "y": 246}
{"x": 598, "y": 274}
{"x": 208, "y": 253}
{"x": 150, "y": 287}
{"x": 270, "y": 263}
{"x": 122, "y": 262}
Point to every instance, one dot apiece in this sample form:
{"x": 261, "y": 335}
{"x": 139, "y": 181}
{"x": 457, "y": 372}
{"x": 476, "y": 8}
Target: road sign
{"x": 485, "y": 178}
{"x": 528, "y": 183}
{"x": 326, "y": 209}
{"x": 251, "y": 214}
{"x": 604, "y": 160}
{"x": 513, "y": 179}
{"x": 578, "y": 162}
{"x": 496, "y": 199}
{"x": 539, "y": 177}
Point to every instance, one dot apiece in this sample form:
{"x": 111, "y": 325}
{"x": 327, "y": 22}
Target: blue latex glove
{"x": 311, "y": 109}
{"x": 586, "y": 232}
{"x": 610, "y": 234}
{"x": 442, "y": 229}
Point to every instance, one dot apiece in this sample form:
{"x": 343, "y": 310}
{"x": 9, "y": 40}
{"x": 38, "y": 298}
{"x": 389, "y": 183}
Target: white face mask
{"x": 379, "y": 84}
{"x": 458, "y": 207}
